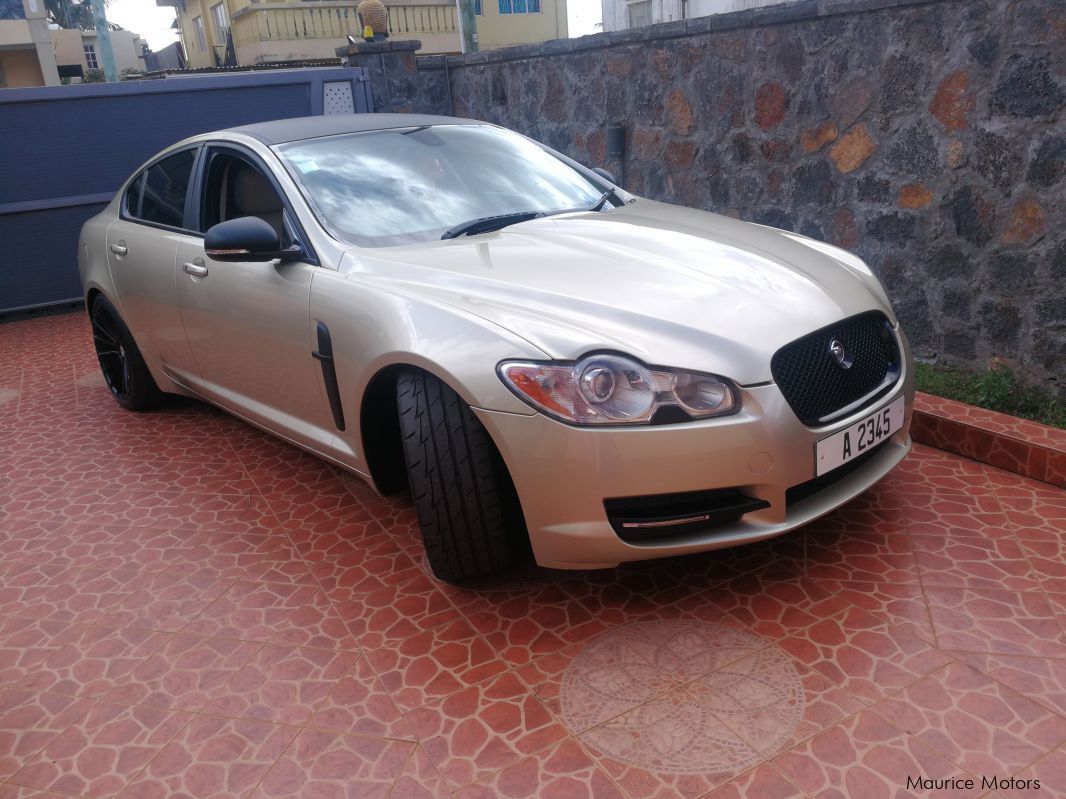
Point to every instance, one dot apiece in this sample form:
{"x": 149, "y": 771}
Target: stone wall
{"x": 928, "y": 137}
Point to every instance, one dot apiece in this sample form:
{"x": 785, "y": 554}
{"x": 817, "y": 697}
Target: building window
{"x": 218, "y": 16}
{"x": 519, "y": 6}
{"x": 477, "y": 7}
{"x": 201, "y": 39}
{"x": 90, "y": 57}
{"x": 639, "y": 13}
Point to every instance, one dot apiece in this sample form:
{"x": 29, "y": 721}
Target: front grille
{"x": 818, "y": 389}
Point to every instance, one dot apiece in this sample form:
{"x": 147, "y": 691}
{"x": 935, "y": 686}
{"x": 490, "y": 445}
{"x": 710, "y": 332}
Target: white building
{"x": 621, "y": 14}
{"x": 77, "y": 51}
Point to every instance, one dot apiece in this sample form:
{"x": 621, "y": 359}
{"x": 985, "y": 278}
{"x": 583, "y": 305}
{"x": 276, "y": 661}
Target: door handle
{"x": 119, "y": 249}
{"x": 194, "y": 269}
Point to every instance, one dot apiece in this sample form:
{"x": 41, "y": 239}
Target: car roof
{"x": 281, "y": 131}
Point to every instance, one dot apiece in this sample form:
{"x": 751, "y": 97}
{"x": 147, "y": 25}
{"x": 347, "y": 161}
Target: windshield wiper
{"x": 611, "y": 195}
{"x": 487, "y": 224}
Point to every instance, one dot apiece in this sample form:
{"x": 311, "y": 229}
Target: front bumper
{"x": 563, "y": 474}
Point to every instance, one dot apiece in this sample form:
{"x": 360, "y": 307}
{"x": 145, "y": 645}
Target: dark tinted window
{"x": 164, "y": 190}
{"x": 133, "y": 197}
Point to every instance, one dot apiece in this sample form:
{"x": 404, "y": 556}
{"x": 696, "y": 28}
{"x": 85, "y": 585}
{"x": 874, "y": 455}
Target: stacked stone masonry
{"x": 927, "y": 137}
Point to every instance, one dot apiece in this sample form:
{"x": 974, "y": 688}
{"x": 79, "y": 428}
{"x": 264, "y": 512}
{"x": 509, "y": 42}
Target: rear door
{"x": 141, "y": 247}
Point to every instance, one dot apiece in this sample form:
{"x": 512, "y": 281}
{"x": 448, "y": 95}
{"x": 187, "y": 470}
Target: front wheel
{"x": 466, "y": 504}
{"x": 125, "y": 372}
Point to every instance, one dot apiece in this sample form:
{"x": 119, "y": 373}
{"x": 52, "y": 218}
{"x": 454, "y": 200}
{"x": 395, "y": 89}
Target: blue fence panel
{"x": 66, "y": 149}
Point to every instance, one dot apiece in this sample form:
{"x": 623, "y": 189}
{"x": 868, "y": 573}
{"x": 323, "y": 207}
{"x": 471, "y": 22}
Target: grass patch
{"x": 997, "y": 389}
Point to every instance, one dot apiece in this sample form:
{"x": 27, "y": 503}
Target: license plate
{"x": 839, "y": 448}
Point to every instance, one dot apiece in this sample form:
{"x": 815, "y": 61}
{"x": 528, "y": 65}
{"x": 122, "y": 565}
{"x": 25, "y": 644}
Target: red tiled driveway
{"x": 189, "y": 608}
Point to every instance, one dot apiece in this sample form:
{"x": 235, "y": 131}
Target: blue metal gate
{"x": 66, "y": 149}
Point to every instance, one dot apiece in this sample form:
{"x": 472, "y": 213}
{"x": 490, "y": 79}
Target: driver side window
{"x": 234, "y": 187}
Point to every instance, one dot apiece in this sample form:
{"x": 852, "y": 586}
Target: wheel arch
{"x": 94, "y": 290}
{"x": 377, "y": 333}
{"x": 379, "y": 429}
{"x": 90, "y": 297}
{"x": 379, "y": 426}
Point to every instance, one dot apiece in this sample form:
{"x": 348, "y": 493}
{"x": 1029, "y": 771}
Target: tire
{"x": 467, "y": 507}
{"x": 125, "y": 372}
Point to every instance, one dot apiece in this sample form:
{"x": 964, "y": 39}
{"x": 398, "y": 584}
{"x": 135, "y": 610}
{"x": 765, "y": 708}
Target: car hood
{"x": 670, "y": 286}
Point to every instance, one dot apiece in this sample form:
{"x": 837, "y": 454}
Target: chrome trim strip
{"x": 669, "y": 522}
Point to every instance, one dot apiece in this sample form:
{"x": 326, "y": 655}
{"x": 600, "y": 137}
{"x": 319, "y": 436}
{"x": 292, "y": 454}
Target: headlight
{"x": 613, "y": 389}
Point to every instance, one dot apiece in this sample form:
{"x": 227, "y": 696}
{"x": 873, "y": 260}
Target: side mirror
{"x": 603, "y": 173}
{"x": 248, "y": 238}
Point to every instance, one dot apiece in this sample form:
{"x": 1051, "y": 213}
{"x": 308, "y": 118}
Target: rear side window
{"x": 133, "y": 197}
{"x": 165, "y": 186}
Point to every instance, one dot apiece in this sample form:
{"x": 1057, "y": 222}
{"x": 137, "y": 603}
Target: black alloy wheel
{"x": 125, "y": 372}
{"x": 111, "y": 351}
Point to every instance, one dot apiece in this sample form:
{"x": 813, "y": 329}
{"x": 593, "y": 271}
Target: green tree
{"x": 93, "y": 76}
{"x": 72, "y": 14}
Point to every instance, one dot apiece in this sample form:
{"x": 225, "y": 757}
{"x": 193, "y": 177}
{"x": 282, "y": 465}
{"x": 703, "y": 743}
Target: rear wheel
{"x": 467, "y": 508}
{"x": 125, "y": 372}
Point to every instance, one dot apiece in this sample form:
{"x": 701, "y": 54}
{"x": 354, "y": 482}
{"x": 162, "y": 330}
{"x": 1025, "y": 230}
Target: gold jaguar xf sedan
{"x": 544, "y": 359}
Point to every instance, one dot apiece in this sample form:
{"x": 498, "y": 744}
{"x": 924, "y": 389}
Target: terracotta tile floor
{"x": 189, "y": 608}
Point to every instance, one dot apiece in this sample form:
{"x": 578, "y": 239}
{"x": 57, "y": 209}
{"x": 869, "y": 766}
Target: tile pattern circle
{"x": 684, "y": 678}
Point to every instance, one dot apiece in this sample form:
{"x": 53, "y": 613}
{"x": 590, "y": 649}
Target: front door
{"x": 248, "y": 323}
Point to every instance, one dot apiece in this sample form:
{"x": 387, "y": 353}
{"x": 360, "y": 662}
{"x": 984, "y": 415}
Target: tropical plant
{"x": 73, "y": 14}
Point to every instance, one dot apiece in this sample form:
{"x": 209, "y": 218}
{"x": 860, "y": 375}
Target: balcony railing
{"x": 264, "y": 22}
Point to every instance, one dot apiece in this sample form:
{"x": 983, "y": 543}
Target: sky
{"x": 153, "y": 22}
{"x": 146, "y": 18}
{"x": 583, "y": 16}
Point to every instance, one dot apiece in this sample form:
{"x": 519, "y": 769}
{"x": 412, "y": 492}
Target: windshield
{"x": 399, "y": 186}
